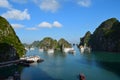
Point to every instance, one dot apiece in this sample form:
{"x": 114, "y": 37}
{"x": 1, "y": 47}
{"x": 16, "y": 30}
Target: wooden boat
{"x": 82, "y": 77}
{"x": 66, "y": 50}
{"x": 50, "y": 51}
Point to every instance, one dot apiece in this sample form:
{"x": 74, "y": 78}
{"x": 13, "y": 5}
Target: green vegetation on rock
{"x": 35, "y": 44}
{"x": 63, "y": 43}
{"x": 49, "y": 43}
{"x": 106, "y": 37}
{"x": 85, "y": 39}
{"x": 9, "y": 37}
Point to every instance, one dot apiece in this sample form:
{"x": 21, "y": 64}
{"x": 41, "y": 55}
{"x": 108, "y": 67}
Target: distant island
{"x": 105, "y": 38}
{"x": 11, "y": 47}
{"x": 49, "y": 43}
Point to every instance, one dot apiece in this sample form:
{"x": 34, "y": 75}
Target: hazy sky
{"x": 69, "y": 19}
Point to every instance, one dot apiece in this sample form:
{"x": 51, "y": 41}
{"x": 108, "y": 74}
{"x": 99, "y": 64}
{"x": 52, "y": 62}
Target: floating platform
{"x": 25, "y": 61}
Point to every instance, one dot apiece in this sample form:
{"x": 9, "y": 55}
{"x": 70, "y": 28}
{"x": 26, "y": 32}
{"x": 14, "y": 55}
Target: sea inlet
{"x": 66, "y": 66}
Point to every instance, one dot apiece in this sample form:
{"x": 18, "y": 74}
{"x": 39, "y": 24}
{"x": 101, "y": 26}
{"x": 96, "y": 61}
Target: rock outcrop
{"x": 10, "y": 45}
{"x": 85, "y": 39}
{"x": 106, "y": 37}
{"x": 49, "y": 43}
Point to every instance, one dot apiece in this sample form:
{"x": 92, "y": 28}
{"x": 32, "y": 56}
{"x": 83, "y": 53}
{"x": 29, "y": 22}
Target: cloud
{"x": 20, "y": 26}
{"x": 49, "y": 25}
{"x": 48, "y": 5}
{"x": 20, "y": 1}
{"x": 57, "y": 24}
{"x": 32, "y": 28}
{"x": 5, "y": 4}
{"x": 45, "y": 25}
{"x": 17, "y": 26}
{"x": 17, "y": 14}
{"x": 84, "y": 3}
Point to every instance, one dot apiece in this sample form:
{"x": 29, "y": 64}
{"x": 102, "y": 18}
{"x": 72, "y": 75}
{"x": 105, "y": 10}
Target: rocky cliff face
{"x": 9, "y": 39}
{"x": 106, "y": 37}
{"x": 47, "y": 43}
{"x": 85, "y": 39}
{"x": 7, "y": 52}
{"x": 63, "y": 42}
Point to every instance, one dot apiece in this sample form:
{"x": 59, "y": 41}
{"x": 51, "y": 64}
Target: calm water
{"x": 61, "y": 66}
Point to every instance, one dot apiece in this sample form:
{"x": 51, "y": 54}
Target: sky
{"x": 69, "y": 19}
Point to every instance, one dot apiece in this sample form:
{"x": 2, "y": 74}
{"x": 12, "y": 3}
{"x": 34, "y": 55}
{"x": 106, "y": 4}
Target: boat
{"x": 33, "y": 58}
{"x": 81, "y": 77}
{"x": 50, "y": 51}
{"x": 72, "y": 51}
{"x": 81, "y": 49}
{"x": 41, "y": 50}
{"x": 66, "y": 50}
{"x": 26, "y": 48}
{"x": 85, "y": 49}
{"x": 32, "y": 48}
{"x": 30, "y": 59}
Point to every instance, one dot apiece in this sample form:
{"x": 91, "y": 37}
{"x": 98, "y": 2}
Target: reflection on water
{"x": 65, "y": 66}
{"x": 6, "y": 72}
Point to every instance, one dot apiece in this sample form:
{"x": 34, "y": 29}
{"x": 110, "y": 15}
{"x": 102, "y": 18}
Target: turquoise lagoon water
{"x": 65, "y": 66}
